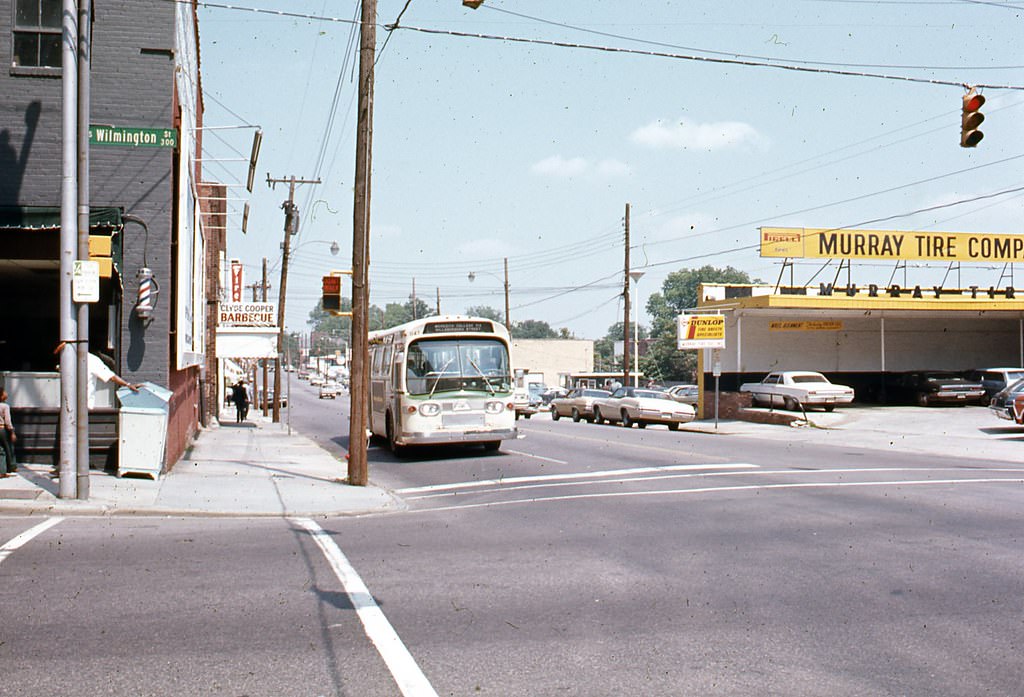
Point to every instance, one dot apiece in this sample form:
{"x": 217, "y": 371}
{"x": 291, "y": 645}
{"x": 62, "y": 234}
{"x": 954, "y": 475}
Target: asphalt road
{"x": 580, "y": 560}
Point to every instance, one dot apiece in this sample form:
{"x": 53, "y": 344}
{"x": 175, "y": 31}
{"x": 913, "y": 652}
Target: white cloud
{"x": 687, "y": 135}
{"x": 567, "y": 168}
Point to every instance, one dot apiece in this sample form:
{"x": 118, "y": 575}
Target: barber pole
{"x": 144, "y": 306}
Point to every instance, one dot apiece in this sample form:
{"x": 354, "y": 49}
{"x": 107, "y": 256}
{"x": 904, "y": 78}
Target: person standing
{"x": 7, "y": 436}
{"x": 240, "y": 396}
{"x": 99, "y": 372}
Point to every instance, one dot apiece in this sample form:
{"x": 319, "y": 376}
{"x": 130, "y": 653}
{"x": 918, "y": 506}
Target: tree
{"x": 664, "y": 362}
{"x": 533, "y": 329}
{"x": 605, "y": 358}
{"x": 487, "y": 312}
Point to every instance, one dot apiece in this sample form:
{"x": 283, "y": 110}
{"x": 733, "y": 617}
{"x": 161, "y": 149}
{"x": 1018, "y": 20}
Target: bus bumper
{"x": 442, "y": 437}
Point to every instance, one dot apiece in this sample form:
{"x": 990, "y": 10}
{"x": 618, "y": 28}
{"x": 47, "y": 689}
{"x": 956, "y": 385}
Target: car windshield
{"x": 595, "y": 393}
{"x": 653, "y": 394}
{"x": 445, "y": 365}
{"x": 809, "y": 377}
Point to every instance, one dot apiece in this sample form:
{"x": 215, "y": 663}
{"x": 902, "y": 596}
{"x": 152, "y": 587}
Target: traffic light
{"x": 970, "y": 136}
{"x": 332, "y": 293}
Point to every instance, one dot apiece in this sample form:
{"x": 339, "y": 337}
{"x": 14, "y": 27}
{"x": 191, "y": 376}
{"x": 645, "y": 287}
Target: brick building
{"x": 145, "y": 199}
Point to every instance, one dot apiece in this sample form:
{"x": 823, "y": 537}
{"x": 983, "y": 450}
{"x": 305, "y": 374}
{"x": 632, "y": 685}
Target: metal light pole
{"x": 472, "y": 277}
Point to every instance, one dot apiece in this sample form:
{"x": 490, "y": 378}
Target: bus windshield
{"x": 445, "y": 365}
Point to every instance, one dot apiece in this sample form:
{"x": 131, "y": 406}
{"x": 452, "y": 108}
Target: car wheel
{"x": 673, "y": 426}
{"x": 627, "y": 422}
{"x": 790, "y": 403}
{"x": 597, "y": 415}
{"x": 492, "y": 446}
{"x": 830, "y": 407}
{"x": 922, "y": 399}
{"x": 575, "y": 415}
{"x": 641, "y": 424}
{"x": 555, "y": 416}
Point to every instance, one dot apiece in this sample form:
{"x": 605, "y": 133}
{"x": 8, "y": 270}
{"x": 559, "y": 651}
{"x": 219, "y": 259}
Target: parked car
{"x": 552, "y": 393}
{"x": 792, "y": 389}
{"x": 633, "y": 405}
{"x": 329, "y": 390}
{"x": 1008, "y": 403}
{"x": 316, "y": 379}
{"x": 687, "y": 394}
{"x": 930, "y": 387}
{"x": 270, "y": 400}
{"x": 578, "y": 404}
{"x": 995, "y": 379}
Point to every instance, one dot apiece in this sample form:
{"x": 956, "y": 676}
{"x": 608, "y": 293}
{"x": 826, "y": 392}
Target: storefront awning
{"x": 247, "y": 342}
{"x": 101, "y": 219}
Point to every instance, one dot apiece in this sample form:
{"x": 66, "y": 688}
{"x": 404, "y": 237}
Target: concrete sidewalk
{"x": 251, "y": 469}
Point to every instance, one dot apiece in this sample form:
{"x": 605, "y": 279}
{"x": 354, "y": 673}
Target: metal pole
{"x": 625, "y": 310}
{"x": 82, "y": 347}
{"x": 359, "y": 387}
{"x": 636, "y": 335}
{"x": 266, "y": 406}
{"x": 68, "y": 246}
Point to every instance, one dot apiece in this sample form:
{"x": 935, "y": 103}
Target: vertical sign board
{"x": 237, "y": 281}
{"x": 700, "y": 332}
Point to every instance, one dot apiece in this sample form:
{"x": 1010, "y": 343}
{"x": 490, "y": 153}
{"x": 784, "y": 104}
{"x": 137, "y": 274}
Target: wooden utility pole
{"x": 438, "y": 308}
{"x": 360, "y": 375}
{"x": 625, "y": 314}
{"x": 414, "y": 299}
{"x": 291, "y": 225}
{"x": 266, "y": 368}
{"x": 508, "y": 321}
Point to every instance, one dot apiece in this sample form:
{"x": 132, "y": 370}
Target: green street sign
{"x": 128, "y": 137}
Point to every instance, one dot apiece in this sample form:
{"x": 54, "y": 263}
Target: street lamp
{"x": 472, "y": 277}
{"x": 636, "y": 276}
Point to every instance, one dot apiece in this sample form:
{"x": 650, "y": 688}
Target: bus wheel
{"x": 396, "y": 449}
{"x": 492, "y": 445}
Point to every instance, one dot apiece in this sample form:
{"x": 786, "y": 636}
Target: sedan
{"x": 578, "y": 404}
{"x": 1008, "y": 403}
{"x": 687, "y": 394}
{"x": 329, "y": 390}
{"x": 631, "y": 405}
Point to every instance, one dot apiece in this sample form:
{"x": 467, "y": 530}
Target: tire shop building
{"x": 866, "y": 334}
{"x": 146, "y": 221}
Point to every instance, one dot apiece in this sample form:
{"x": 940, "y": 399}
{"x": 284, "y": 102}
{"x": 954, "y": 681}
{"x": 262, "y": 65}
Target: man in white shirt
{"x": 98, "y": 371}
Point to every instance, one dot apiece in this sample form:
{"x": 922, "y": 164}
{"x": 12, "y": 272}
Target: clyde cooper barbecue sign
{"x": 247, "y": 315}
{"x": 824, "y": 243}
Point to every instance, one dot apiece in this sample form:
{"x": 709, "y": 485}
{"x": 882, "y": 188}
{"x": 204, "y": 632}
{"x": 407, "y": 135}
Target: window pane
{"x": 50, "y": 13}
{"x": 49, "y": 50}
{"x": 27, "y": 13}
{"x": 26, "y": 49}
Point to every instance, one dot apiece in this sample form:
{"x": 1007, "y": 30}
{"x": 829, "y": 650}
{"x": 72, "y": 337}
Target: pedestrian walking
{"x": 240, "y": 396}
{"x": 7, "y": 437}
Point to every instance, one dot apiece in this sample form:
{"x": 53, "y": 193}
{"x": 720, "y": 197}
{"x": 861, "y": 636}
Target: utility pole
{"x": 291, "y": 225}
{"x": 625, "y": 315}
{"x": 508, "y": 321}
{"x": 266, "y": 407}
{"x": 360, "y": 375}
{"x": 414, "y": 298}
{"x": 438, "y": 308}
{"x": 82, "y": 347}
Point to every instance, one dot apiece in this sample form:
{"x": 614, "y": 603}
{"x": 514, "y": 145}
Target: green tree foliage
{"x": 533, "y": 329}
{"x": 487, "y": 312}
{"x": 664, "y": 362}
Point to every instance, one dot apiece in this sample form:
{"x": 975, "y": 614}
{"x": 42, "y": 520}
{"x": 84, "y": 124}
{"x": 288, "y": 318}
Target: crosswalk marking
{"x": 24, "y": 538}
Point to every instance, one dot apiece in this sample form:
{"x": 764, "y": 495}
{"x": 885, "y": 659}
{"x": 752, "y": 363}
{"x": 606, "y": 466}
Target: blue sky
{"x": 486, "y": 149}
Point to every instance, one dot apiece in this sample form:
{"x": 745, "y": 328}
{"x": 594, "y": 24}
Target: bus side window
{"x": 378, "y": 354}
{"x": 386, "y": 364}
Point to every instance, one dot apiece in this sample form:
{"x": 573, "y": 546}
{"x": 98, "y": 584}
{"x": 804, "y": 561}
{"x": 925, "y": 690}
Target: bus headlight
{"x": 494, "y": 407}
{"x": 430, "y": 409}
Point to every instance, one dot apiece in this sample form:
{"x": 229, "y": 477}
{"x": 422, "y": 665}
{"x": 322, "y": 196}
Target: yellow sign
{"x": 825, "y": 243}
{"x": 700, "y": 331}
{"x": 809, "y": 326}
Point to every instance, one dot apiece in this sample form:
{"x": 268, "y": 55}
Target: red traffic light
{"x": 970, "y": 136}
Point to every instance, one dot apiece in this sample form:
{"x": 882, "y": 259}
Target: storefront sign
{"x": 805, "y": 326}
{"x": 700, "y": 331}
{"x": 126, "y": 136}
{"x": 247, "y": 315}
{"x": 824, "y": 243}
{"x": 237, "y": 280}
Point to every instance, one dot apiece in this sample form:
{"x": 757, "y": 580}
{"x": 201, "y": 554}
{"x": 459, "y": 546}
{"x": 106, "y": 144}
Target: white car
{"x": 792, "y": 389}
{"x": 329, "y": 389}
{"x": 633, "y": 405}
{"x": 316, "y": 379}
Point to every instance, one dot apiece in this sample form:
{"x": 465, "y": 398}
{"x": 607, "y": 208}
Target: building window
{"x": 37, "y": 33}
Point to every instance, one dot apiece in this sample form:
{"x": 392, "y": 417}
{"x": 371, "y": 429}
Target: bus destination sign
{"x": 458, "y": 328}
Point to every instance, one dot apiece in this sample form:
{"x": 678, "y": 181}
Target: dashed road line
{"x": 24, "y": 538}
{"x": 407, "y": 674}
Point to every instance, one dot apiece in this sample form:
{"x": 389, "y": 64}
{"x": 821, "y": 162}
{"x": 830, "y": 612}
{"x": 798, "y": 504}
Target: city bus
{"x": 445, "y": 379}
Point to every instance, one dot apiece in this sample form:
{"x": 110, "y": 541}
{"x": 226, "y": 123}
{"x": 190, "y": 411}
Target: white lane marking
{"x": 410, "y": 679}
{"x": 15, "y": 542}
{"x": 568, "y": 476}
{"x": 716, "y": 489}
{"x": 538, "y": 457}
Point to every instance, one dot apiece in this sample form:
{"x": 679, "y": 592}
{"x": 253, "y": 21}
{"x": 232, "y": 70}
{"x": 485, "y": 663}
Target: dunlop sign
{"x": 824, "y": 243}
{"x": 700, "y": 331}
